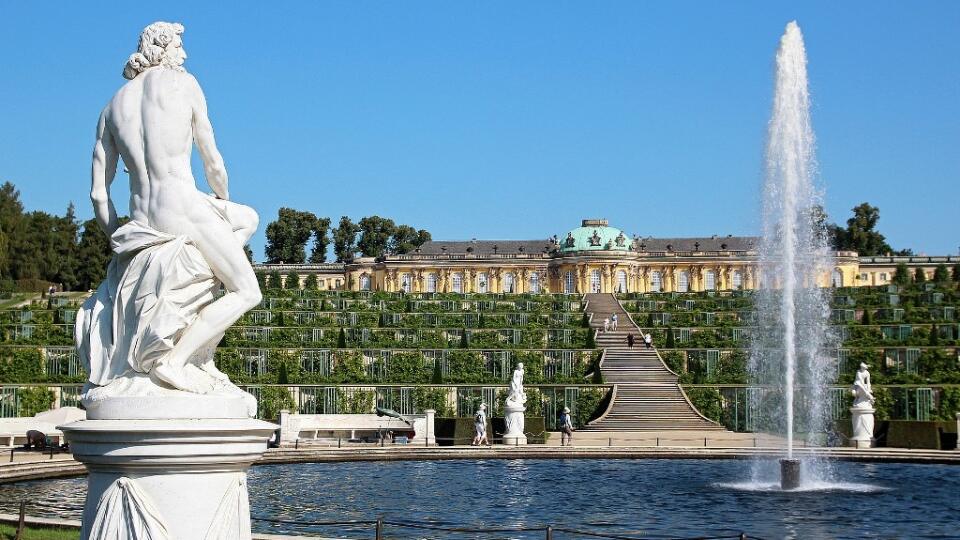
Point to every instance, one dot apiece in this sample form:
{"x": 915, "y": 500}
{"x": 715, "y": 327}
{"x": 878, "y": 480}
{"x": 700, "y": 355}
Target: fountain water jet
{"x": 793, "y": 311}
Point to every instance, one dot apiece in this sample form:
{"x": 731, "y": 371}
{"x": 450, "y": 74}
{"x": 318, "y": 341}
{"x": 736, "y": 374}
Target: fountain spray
{"x": 793, "y": 311}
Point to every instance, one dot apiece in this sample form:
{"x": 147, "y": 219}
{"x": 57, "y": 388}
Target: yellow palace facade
{"x": 594, "y": 257}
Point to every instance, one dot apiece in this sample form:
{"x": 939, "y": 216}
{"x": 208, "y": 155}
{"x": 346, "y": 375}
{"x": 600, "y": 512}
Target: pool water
{"x": 649, "y": 498}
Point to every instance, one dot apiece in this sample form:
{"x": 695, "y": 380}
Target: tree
{"x": 65, "y": 247}
{"x": 345, "y": 240}
{"x": 941, "y": 274}
{"x": 248, "y": 252}
{"x": 321, "y": 239}
{"x": 310, "y": 282}
{"x": 956, "y": 272}
{"x": 405, "y": 239}
{"x": 274, "y": 280}
{"x": 292, "y": 282}
{"x": 901, "y": 276}
{"x": 860, "y": 234}
{"x": 919, "y": 276}
{"x": 287, "y": 236}
{"x": 94, "y": 254}
{"x": 375, "y": 234}
{"x": 11, "y": 213}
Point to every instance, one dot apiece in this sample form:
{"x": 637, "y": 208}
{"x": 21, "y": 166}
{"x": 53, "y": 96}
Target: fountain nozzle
{"x": 789, "y": 474}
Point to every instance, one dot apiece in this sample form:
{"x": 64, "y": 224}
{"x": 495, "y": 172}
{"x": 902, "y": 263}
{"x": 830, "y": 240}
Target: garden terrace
{"x": 910, "y": 335}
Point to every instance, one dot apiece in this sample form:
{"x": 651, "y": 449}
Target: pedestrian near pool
{"x": 480, "y": 426}
{"x": 648, "y": 340}
{"x": 630, "y": 340}
{"x": 606, "y": 325}
{"x": 613, "y": 321}
{"x": 566, "y": 428}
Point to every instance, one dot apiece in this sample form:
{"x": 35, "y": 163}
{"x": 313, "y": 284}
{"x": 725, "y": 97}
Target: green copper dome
{"x": 595, "y": 235}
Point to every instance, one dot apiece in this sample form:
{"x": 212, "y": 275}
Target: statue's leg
{"x": 243, "y": 219}
{"x": 215, "y": 240}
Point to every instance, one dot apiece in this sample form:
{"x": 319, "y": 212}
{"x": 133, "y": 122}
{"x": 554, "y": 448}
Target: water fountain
{"x": 792, "y": 308}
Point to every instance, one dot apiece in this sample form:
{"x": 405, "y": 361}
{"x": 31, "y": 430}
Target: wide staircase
{"x": 647, "y": 395}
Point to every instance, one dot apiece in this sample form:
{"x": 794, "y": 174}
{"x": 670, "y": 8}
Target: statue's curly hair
{"x": 152, "y": 49}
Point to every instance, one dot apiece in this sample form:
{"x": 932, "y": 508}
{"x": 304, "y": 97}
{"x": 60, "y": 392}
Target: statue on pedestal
{"x": 168, "y": 438}
{"x": 154, "y": 322}
{"x": 514, "y": 409}
{"x": 861, "y": 413}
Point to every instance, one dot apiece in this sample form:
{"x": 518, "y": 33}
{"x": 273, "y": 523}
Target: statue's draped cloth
{"x": 156, "y": 285}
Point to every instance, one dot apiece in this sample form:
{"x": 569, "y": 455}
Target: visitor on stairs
{"x": 480, "y": 426}
{"x": 647, "y": 340}
{"x": 613, "y": 321}
{"x": 630, "y": 340}
{"x": 566, "y": 428}
{"x": 606, "y": 325}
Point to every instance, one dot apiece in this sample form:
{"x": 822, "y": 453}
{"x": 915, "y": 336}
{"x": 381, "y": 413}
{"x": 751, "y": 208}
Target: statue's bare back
{"x": 152, "y": 123}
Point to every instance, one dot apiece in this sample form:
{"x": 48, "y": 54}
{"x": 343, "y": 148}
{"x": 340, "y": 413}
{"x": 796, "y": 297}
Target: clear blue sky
{"x": 512, "y": 120}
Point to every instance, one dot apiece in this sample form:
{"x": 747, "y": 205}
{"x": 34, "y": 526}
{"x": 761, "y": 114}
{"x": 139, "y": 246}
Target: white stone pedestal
{"x": 430, "y": 435}
{"x": 862, "y": 420}
{"x": 514, "y": 419}
{"x": 167, "y": 478}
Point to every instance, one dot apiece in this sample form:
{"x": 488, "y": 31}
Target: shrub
{"x": 941, "y": 274}
{"x": 310, "y": 282}
{"x": 274, "y": 280}
{"x": 919, "y": 276}
{"x": 348, "y": 367}
{"x": 671, "y": 341}
{"x": 34, "y": 399}
{"x": 901, "y": 276}
{"x": 425, "y": 398}
{"x": 274, "y": 399}
{"x": 292, "y": 282}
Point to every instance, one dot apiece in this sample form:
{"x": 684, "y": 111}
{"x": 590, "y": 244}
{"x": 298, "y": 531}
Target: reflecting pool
{"x": 652, "y": 498}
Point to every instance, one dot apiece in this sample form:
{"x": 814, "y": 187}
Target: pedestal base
{"x": 513, "y": 416}
{"x": 862, "y": 420}
{"x": 173, "y": 478}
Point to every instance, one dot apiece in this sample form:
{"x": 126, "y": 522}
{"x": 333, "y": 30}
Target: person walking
{"x": 480, "y": 426}
{"x": 613, "y": 321}
{"x": 648, "y": 340}
{"x": 630, "y": 340}
{"x": 566, "y": 428}
{"x": 606, "y": 325}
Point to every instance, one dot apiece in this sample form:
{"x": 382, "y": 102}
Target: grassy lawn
{"x": 8, "y": 532}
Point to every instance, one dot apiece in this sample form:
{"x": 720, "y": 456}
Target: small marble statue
{"x": 153, "y": 324}
{"x": 514, "y": 409}
{"x": 861, "y": 413}
{"x": 517, "y": 395}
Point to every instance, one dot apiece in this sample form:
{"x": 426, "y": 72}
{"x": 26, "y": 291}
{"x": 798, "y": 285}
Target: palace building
{"x": 593, "y": 257}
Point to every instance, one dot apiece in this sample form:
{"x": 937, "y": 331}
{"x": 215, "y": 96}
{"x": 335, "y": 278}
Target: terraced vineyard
{"x": 907, "y": 335}
{"x": 346, "y": 351}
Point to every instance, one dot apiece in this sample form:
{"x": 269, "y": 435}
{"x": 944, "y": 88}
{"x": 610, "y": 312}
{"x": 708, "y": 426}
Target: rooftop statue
{"x": 154, "y": 322}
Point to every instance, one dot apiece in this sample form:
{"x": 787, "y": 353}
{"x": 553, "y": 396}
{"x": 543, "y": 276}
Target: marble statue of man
{"x": 517, "y": 394}
{"x": 862, "y": 391}
{"x": 159, "y": 313}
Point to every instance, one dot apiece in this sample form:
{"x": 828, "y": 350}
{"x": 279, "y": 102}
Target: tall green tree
{"x": 375, "y": 234}
{"x": 406, "y": 238}
{"x": 11, "y": 215}
{"x": 919, "y": 276}
{"x": 321, "y": 239}
{"x": 287, "y": 236}
{"x": 94, "y": 254}
{"x": 345, "y": 239}
{"x": 861, "y": 234}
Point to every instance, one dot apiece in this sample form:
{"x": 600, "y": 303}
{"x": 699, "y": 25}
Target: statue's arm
{"x": 104, "y": 169}
{"x": 213, "y": 166}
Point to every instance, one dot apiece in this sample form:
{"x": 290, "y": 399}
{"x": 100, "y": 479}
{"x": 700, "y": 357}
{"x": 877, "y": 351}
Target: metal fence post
{"x": 21, "y": 522}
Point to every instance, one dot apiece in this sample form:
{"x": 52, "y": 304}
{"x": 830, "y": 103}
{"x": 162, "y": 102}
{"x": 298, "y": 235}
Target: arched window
{"x": 569, "y": 283}
{"x": 507, "y": 286}
{"x": 534, "y": 282}
{"x": 683, "y": 281}
{"x": 595, "y": 281}
{"x": 456, "y": 282}
{"x": 837, "y": 280}
{"x": 483, "y": 284}
{"x": 431, "y": 282}
{"x": 622, "y": 281}
{"x": 656, "y": 281}
{"x": 710, "y": 280}
{"x": 364, "y": 282}
{"x": 737, "y": 280}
